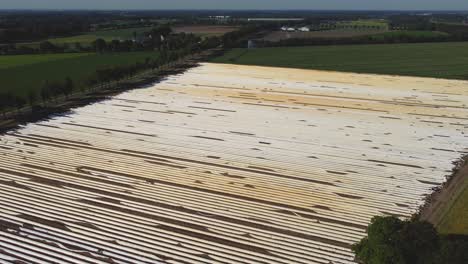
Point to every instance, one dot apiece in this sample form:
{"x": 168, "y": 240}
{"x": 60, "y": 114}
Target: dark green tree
{"x": 68, "y": 87}
{"x": 32, "y": 97}
{"x": 47, "y": 46}
{"x": 392, "y": 241}
{"x": 100, "y": 45}
{"x": 45, "y": 92}
{"x": 19, "y": 102}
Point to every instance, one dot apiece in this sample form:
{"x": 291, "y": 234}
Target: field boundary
{"x": 439, "y": 203}
{"x": 12, "y": 119}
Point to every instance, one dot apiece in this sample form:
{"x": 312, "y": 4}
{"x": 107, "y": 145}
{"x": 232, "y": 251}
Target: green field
{"x": 22, "y": 60}
{"x": 456, "y": 220}
{"x": 407, "y": 33}
{"x": 88, "y": 38}
{"x": 364, "y": 23}
{"x": 19, "y": 74}
{"x": 440, "y": 60}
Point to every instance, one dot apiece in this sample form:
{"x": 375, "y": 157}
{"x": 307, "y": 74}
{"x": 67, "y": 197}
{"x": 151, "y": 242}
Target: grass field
{"x": 88, "y": 38}
{"x": 22, "y": 60}
{"x": 455, "y": 221}
{"x": 205, "y": 31}
{"x": 405, "y": 33}
{"x": 440, "y": 60}
{"x": 336, "y": 33}
{"x": 125, "y": 34}
{"x": 364, "y": 23}
{"x": 19, "y": 74}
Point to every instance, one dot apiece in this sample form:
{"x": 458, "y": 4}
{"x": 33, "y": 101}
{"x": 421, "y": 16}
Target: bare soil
{"x": 440, "y": 202}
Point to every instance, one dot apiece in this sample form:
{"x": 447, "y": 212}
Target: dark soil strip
{"x": 139, "y": 101}
{"x": 242, "y": 133}
{"x": 167, "y": 165}
{"x": 268, "y": 105}
{"x": 59, "y": 139}
{"x": 155, "y": 111}
{"x": 349, "y": 196}
{"x": 79, "y": 175}
{"x": 109, "y": 129}
{"x": 452, "y": 117}
{"x": 232, "y": 168}
{"x": 342, "y": 107}
{"x": 210, "y": 138}
{"x": 213, "y": 109}
{"x": 40, "y": 142}
{"x": 51, "y": 223}
{"x": 250, "y": 199}
{"x": 397, "y": 164}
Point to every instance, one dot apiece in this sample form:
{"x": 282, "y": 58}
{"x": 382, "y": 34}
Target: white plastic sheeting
{"x": 228, "y": 164}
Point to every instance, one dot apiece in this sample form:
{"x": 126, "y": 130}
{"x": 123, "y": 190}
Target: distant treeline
{"x": 158, "y": 38}
{"x": 381, "y": 38}
{"x": 172, "y": 47}
{"x": 30, "y": 27}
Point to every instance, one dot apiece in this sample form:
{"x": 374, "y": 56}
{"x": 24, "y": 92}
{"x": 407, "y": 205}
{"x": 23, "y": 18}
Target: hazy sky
{"x": 238, "y": 4}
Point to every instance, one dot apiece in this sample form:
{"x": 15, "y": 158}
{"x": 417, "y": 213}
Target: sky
{"x": 456, "y": 5}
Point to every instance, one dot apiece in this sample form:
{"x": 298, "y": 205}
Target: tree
{"x": 419, "y": 240}
{"x": 20, "y": 102}
{"x": 393, "y": 241}
{"x": 56, "y": 89}
{"x": 32, "y": 97}
{"x": 68, "y": 87}
{"x": 47, "y": 46}
{"x": 45, "y": 92}
{"x": 78, "y": 46}
{"x": 99, "y": 45}
{"x": 453, "y": 250}
{"x": 381, "y": 244}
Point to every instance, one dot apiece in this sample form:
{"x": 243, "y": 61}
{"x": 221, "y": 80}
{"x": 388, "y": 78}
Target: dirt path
{"x": 442, "y": 200}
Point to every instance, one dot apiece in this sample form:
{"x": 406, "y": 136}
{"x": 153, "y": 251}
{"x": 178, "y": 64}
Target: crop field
{"x": 376, "y": 34}
{"x": 339, "y": 33}
{"x": 21, "y": 73}
{"x": 205, "y": 31}
{"x": 439, "y": 60}
{"x": 228, "y": 164}
{"x": 13, "y": 61}
{"x": 365, "y": 23}
{"x": 88, "y": 38}
{"x": 454, "y": 222}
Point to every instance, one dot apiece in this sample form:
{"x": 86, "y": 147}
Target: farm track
{"x": 228, "y": 164}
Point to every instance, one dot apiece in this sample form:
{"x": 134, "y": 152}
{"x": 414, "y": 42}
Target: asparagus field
{"x": 228, "y": 164}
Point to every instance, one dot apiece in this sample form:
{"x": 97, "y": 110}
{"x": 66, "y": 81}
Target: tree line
{"x": 382, "y": 38}
{"x": 394, "y": 241}
{"x": 47, "y": 92}
{"x": 172, "y": 47}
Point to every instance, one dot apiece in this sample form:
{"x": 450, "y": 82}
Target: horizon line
{"x": 240, "y": 9}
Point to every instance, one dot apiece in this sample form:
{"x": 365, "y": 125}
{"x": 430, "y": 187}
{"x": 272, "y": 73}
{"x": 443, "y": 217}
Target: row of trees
{"x": 382, "y": 38}
{"x": 172, "y": 48}
{"x": 47, "y": 92}
{"x": 393, "y": 241}
{"x": 158, "y": 38}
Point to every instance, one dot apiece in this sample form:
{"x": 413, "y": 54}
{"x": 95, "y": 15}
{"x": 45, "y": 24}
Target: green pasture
{"x": 439, "y": 60}
{"x": 19, "y": 74}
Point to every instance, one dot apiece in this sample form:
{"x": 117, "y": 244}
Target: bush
{"x": 393, "y": 241}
